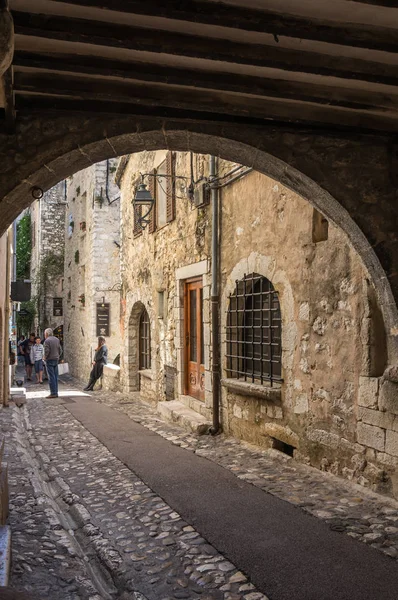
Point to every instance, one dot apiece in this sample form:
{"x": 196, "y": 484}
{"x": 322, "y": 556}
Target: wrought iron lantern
{"x": 143, "y": 204}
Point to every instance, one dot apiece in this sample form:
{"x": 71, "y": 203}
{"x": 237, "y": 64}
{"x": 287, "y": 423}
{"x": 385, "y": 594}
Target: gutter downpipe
{"x": 215, "y": 330}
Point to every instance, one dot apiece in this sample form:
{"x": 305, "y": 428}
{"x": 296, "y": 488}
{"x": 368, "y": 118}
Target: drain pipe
{"x": 215, "y": 332}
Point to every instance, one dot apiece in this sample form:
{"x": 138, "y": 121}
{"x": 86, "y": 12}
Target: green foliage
{"x": 50, "y": 269}
{"x": 77, "y": 256}
{"x": 24, "y": 247}
{"x": 25, "y": 323}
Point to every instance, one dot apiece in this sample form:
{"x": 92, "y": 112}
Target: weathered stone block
{"x": 301, "y": 404}
{"x": 376, "y": 417}
{"x": 324, "y": 437}
{"x": 388, "y": 400}
{"x": 368, "y": 392}
{"x": 284, "y": 434}
{"x": 392, "y": 443}
{"x": 371, "y": 436}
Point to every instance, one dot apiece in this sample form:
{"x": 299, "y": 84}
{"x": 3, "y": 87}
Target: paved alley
{"x": 109, "y": 501}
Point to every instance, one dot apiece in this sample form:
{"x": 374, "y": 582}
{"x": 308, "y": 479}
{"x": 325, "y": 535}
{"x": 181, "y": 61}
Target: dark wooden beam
{"x": 187, "y": 91}
{"x": 250, "y": 19}
{"x": 27, "y": 104}
{"x": 294, "y": 108}
{"x": 285, "y": 60}
{"x": 109, "y": 76}
{"x": 382, "y": 3}
{"x": 9, "y": 100}
{"x": 101, "y": 33}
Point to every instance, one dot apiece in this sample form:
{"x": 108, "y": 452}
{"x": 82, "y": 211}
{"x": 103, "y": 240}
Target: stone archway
{"x": 345, "y": 176}
{"x": 132, "y": 357}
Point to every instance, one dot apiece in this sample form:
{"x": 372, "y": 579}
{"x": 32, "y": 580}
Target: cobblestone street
{"x": 86, "y": 527}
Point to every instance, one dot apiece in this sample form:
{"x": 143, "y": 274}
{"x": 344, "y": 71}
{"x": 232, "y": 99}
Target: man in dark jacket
{"x": 52, "y": 353}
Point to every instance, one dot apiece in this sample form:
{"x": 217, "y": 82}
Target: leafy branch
{"x": 24, "y": 247}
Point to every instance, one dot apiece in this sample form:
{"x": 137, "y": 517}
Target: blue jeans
{"x": 52, "y": 372}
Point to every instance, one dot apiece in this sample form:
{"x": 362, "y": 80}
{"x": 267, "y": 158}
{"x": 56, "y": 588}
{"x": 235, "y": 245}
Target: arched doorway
{"x": 139, "y": 345}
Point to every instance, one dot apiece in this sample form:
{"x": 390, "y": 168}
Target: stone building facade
{"x": 323, "y": 406}
{"x": 47, "y": 258}
{"x": 92, "y": 266}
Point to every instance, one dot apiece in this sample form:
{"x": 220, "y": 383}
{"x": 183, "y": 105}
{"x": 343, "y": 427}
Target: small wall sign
{"x": 103, "y": 319}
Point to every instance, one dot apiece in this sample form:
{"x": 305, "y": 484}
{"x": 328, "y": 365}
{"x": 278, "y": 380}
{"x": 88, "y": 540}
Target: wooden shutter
{"x": 152, "y": 188}
{"x": 170, "y": 187}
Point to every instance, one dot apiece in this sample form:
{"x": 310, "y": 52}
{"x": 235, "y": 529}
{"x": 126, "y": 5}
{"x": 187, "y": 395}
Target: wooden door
{"x": 194, "y": 347}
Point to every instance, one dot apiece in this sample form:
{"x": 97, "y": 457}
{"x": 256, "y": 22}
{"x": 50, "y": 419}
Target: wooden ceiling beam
{"x": 161, "y": 41}
{"x": 251, "y": 19}
{"x": 280, "y": 115}
{"x": 202, "y": 48}
{"x": 287, "y": 61}
{"x": 49, "y": 72}
{"x": 202, "y": 100}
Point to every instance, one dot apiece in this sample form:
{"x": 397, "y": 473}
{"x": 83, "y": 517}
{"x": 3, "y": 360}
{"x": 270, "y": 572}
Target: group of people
{"x": 38, "y": 354}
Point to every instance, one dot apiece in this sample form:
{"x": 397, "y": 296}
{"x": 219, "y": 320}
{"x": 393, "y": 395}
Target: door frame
{"x": 200, "y": 342}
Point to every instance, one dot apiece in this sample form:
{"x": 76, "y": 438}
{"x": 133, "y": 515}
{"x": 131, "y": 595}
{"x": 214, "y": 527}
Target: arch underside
{"x": 345, "y": 177}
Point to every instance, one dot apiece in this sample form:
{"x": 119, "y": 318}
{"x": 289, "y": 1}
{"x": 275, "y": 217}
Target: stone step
{"x": 196, "y": 405}
{"x": 175, "y": 411}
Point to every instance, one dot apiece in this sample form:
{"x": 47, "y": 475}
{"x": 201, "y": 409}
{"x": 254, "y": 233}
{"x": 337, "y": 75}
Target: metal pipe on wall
{"x": 215, "y": 299}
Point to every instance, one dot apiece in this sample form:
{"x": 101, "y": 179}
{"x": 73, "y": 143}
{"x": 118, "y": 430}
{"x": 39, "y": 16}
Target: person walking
{"x": 52, "y": 353}
{"x": 100, "y": 359}
{"x": 26, "y": 347}
{"x": 36, "y": 358}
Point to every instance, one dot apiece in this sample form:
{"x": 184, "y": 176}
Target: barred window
{"x": 144, "y": 341}
{"x": 254, "y": 331}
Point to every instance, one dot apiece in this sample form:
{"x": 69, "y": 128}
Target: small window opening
{"x": 320, "y": 227}
{"x": 283, "y": 447}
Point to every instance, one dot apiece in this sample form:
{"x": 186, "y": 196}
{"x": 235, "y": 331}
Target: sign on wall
{"x": 57, "y": 307}
{"x": 103, "y": 319}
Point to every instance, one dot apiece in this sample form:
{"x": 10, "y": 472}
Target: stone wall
{"x": 150, "y": 264}
{"x": 48, "y": 224}
{"x": 92, "y": 268}
{"x": 329, "y": 344}
{"x": 333, "y": 339}
{"x": 4, "y": 327}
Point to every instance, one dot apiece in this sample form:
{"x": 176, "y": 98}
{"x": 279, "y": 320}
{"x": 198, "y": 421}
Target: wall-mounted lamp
{"x": 143, "y": 204}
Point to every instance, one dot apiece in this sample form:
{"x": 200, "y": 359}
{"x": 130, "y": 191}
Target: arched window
{"x": 144, "y": 341}
{"x": 254, "y": 331}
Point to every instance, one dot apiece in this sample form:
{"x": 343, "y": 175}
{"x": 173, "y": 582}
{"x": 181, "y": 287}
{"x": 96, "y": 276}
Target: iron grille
{"x": 254, "y": 331}
{"x": 144, "y": 342}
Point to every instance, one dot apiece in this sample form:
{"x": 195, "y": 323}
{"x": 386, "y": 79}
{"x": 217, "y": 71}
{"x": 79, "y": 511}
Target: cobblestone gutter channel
{"x": 123, "y": 538}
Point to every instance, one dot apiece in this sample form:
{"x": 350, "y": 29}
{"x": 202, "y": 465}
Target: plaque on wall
{"x": 103, "y": 319}
{"x": 57, "y": 307}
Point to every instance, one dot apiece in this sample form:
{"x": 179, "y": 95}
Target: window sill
{"x": 243, "y": 388}
{"x": 146, "y": 373}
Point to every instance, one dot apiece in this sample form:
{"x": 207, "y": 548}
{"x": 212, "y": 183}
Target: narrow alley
{"x": 108, "y": 501}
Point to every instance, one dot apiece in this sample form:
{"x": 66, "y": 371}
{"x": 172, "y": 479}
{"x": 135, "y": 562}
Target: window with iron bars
{"x": 144, "y": 342}
{"x": 254, "y": 330}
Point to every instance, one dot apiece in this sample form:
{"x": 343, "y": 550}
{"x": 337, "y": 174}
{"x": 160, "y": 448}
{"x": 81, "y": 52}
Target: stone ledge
{"x": 147, "y": 373}
{"x": 243, "y": 388}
